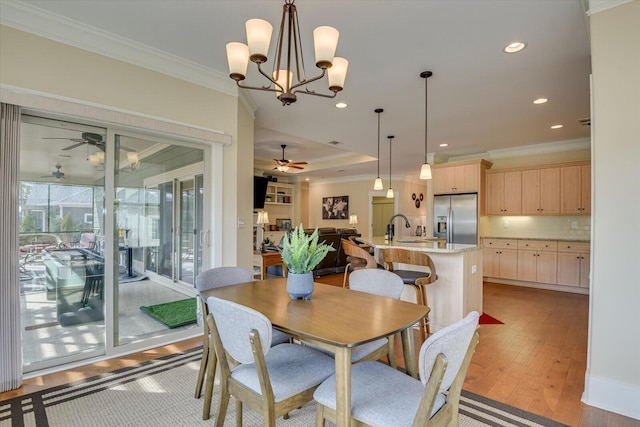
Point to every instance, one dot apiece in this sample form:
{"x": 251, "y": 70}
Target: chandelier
{"x": 289, "y": 61}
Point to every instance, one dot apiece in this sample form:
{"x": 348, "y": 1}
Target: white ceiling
{"x": 480, "y": 99}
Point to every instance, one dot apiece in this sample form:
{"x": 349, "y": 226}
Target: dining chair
{"x": 386, "y": 284}
{"x": 385, "y": 397}
{"x": 210, "y": 279}
{"x": 357, "y": 258}
{"x": 270, "y": 380}
{"x": 418, "y": 279}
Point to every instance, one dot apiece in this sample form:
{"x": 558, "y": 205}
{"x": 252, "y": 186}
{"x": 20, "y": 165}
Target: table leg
{"x": 408, "y": 348}
{"x": 263, "y": 274}
{"x": 343, "y": 386}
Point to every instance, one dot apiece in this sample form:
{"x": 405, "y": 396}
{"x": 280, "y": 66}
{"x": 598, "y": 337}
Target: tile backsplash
{"x": 544, "y": 227}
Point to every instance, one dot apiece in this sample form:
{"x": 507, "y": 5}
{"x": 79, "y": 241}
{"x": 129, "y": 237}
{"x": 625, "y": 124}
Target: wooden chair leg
{"x": 222, "y": 407}
{"x": 426, "y": 302}
{"x": 346, "y": 273}
{"x": 208, "y": 393}
{"x": 319, "y": 415}
{"x": 238, "y": 413}
{"x": 203, "y": 367}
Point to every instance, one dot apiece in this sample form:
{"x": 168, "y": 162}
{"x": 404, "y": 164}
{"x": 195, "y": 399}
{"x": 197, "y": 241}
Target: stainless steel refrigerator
{"x": 456, "y": 218}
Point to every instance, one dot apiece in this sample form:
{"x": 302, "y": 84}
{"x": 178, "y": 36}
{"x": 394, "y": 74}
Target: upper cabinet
{"x": 504, "y": 193}
{"x": 575, "y": 190}
{"x": 541, "y": 191}
{"x": 562, "y": 189}
{"x": 456, "y": 179}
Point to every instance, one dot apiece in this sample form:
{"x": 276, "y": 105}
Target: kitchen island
{"x": 458, "y": 289}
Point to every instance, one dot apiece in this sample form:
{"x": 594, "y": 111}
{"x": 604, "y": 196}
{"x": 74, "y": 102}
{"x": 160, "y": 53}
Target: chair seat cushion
{"x": 373, "y": 407}
{"x": 279, "y": 337}
{"x": 409, "y": 277}
{"x": 284, "y": 363}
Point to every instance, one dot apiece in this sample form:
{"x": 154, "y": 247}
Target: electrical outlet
{"x": 240, "y": 222}
{"x": 574, "y": 225}
{"x": 505, "y": 224}
{"x": 474, "y": 269}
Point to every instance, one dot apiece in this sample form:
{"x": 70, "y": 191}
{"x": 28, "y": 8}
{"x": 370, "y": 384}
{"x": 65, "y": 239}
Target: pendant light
{"x": 425, "y": 171}
{"x": 390, "y": 190}
{"x": 378, "y": 183}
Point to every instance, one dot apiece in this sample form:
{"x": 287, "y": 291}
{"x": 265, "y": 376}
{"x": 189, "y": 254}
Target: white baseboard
{"x": 612, "y": 396}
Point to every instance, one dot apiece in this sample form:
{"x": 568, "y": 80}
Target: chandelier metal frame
{"x": 281, "y": 80}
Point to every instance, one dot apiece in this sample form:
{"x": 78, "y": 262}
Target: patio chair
{"x": 385, "y": 397}
{"x": 270, "y": 380}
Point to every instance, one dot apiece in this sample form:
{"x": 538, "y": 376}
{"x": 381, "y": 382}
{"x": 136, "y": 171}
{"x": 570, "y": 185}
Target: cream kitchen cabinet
{"x": 456, "y": 179}
{"x": 573, "y": 264}
{"x": 500, "y": 258}
{"x": 537, "y": 260}
{"x": 541, "y": 191}
{"x": 504, "y": 193}
{"x": 575, "y": 190}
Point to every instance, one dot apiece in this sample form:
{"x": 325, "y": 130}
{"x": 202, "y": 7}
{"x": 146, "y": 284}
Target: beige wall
{"x": 358, "y": 192}
{"x": 613, "y": 370}
{"x": 37, "y": 64}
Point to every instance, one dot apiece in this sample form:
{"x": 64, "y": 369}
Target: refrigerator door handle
{"x": 450, "y": 225}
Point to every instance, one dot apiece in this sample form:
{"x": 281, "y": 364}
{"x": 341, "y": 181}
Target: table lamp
{"x": 263, "y": 218}
{"x": 353, "y": 220}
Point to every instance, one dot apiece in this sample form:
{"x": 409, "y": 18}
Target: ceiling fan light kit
{"x": 283, "y": 164}
{"x": 377, "y": 185}
{"x": 425, "y": 170}
{"x": 281, "y": 80}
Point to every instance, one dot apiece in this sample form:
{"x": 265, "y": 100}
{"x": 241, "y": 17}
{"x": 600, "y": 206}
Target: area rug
{"x": 485, "y": 319}
{"x": 160, "y": 393}
{"x": 173, "y": 314}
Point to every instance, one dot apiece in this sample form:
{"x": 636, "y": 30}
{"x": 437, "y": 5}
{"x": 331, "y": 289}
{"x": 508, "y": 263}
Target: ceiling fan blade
{"x": 122, "y": 147}
{"x": 297, "y": 163}
{"x": 71, "y": 147}
{"x": 70, "y": 139}
{"x": 294, "y": 166}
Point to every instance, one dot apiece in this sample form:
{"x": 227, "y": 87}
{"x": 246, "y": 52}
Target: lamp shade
{"x": 353, "y": 219}
{"x": 390, "y": 193}
{"x": 258, "y": 38}
{"x": 338, "y": 74}
{"x": 281, "y": 78}
{"x": 325, "y": 41}
{"x": 263, "y": 217}
{"x": 425, "y": 171}
{"x": 238, "y": 59}
{"x": 377, "y": 185}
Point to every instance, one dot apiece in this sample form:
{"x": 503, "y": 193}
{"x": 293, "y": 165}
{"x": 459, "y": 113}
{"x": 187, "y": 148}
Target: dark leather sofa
{"x": 335, "y": 262}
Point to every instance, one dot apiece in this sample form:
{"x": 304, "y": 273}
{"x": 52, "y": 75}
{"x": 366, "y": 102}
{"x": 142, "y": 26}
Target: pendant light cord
{"x": 390, "y": 138}
{"x": 379, "y": 110}
{"x": 425, "y": 75}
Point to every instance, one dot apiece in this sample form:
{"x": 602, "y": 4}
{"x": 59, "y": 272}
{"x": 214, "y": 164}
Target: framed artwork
{"x": 335, "y": 207}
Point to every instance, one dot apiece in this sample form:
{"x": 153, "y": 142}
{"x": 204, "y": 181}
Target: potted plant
{"x": 301, "y": 253}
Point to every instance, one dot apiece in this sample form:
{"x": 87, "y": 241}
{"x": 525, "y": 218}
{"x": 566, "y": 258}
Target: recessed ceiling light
{"x": 556, "y": 126}
{"x": 307, "y": 179}
{"x": 342, "y": 105}
{"x": 444, "y": 145}
{"x": 515, "y": 47}
{"x": 540, "y": 101}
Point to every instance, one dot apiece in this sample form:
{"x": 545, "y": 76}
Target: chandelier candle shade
{"x": 288, "y": 76}
{"x": 377, "y": 185}
{"x": 390, "y": 190}
{"x": 425, "y": 171}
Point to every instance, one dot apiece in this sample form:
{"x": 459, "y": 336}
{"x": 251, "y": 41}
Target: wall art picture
{"x": 335, "y": 207}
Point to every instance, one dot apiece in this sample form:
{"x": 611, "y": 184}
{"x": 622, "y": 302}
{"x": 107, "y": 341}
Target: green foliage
{"x": 28, "y": 224}
{"x": 67, "y": 223}
{"x": 301, "y": 253}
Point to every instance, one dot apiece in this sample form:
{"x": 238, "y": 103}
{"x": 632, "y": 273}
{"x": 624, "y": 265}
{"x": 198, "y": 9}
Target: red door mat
{"x": 485, "y": 319}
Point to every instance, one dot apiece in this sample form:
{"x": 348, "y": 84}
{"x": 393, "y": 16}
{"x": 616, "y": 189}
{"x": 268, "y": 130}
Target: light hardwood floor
{"x": 536, "y": 361}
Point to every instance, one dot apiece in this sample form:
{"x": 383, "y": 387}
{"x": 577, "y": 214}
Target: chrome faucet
{"x": 390, "y": 228}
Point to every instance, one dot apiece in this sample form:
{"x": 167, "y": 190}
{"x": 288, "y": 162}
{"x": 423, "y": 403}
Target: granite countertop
{"x": 430, "y": 245}
{"x": 553, "y": 239}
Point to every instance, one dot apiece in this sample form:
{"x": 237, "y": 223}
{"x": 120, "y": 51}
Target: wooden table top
{"x": 336, "y": 316}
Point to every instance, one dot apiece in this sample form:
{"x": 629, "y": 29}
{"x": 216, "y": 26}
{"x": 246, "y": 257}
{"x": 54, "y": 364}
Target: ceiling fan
{"x": 57, "y": 174}
{"x": 89, "y": 138}
{"x": 283, "y": 164}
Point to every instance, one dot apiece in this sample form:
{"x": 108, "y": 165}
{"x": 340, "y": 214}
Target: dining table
{"x": 335, "y": 319}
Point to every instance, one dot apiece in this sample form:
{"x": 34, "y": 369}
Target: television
{"x": 259, "y": 191}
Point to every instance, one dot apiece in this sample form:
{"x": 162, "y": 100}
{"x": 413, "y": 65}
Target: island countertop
{"x": 429, "y": 245}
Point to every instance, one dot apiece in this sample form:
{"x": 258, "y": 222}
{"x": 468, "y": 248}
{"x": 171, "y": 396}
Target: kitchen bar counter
{"x": 458, "y": 289}
{"x": 552, "y": 239}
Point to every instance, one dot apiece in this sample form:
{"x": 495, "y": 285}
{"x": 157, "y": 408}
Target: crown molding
{"x": 596, "y": 6}
{"x": 31, "y": 19}
{"x": 528, "y": 150}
